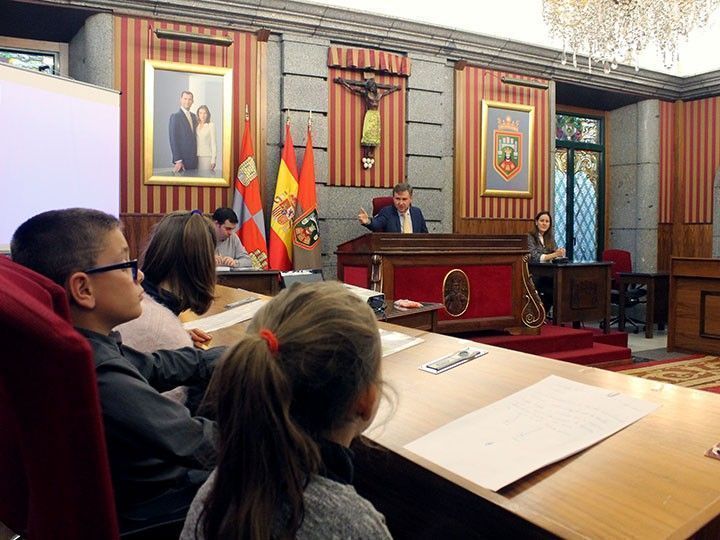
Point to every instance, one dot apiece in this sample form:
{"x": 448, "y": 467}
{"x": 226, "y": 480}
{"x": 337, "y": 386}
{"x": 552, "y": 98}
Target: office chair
{"x": 622, "y": 262}
{"x": 378, "y": 203}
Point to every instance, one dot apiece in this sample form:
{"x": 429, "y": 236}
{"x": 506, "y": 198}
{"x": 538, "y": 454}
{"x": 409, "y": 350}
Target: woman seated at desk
{"x": 541, "y": 243}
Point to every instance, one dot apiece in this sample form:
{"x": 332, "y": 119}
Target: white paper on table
{"x": 227, "y": 318}
{"x": 539, "y": 425}
{"x": 222, "y": 268}
{"x": 393, "y": 342}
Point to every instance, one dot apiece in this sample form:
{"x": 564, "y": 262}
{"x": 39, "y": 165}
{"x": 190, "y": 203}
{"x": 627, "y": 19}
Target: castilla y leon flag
{"x": 283, "y": 209}
{"x": 306, "y": 233}
{"x": 247, "y": 203}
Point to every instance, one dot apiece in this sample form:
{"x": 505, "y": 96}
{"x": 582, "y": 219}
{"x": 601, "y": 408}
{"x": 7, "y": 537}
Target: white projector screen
{"x": 60, "y": 147}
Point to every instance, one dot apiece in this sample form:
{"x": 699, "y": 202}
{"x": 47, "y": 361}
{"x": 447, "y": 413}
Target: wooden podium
{"x": 483, "y": 281}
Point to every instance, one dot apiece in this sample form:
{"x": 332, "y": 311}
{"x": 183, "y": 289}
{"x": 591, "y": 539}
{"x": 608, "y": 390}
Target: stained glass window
{"x": 577, "y": 129}
{"x": 560, "y": 202}
{"x": 36, "y": 61}
{"x": 585, "y": 205}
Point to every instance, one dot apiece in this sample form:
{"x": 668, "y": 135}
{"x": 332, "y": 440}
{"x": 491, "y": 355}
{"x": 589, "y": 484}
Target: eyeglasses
{"x": 132, "y": 265}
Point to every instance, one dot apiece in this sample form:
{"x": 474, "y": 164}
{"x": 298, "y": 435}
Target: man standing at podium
{"x": 401, "y": 217}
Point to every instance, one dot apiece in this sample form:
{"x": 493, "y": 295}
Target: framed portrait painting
{"x": 187, "y": 125}
{"x": 506, "y": 153}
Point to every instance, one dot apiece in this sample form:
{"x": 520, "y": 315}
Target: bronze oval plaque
{"x": 456, "y": 292}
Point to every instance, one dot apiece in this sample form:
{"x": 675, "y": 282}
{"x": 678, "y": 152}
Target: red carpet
{"x": 695, "y": 371}
{"x": 579, "y": 346}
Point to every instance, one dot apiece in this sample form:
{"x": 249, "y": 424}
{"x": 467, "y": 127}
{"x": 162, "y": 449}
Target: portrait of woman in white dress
{"x": 206, "y": 142}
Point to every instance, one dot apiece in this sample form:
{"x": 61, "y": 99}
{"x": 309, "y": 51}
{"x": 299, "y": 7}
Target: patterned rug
{"x": 701, "y": 373}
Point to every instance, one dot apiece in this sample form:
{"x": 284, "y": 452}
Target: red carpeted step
{"x": 551, "y": 339}
{"x": 597, "y": 354}
{"x": 615, "y": 337}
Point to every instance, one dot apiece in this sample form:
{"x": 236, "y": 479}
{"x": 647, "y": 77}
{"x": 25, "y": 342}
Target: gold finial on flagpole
{"x": 247, "y": 112}
{"x": 310, "y": 120}
{"x": 287, "y": 118}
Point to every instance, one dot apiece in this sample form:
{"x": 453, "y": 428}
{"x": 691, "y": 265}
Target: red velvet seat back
{"x": 621, "y": 259}
{"x": 53, "y": 460}
{"x": 379, "y": 203}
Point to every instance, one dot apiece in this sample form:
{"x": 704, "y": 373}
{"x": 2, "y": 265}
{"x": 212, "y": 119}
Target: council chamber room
{"x": 331, "y": 270}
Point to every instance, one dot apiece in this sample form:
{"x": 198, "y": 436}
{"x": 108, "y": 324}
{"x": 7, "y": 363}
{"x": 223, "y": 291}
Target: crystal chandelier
{"x": 609, "y": 32}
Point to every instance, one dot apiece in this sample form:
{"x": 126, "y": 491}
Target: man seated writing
{"x": 229, "y": 251}
{"x": 159, "y": 454}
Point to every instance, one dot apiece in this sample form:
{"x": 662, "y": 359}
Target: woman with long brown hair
{"x": 290, "y": 397}
{"x": 179, "y": 268}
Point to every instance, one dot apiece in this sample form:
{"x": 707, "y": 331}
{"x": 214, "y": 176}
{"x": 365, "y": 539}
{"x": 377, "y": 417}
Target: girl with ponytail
{"x": 289, "y": 398}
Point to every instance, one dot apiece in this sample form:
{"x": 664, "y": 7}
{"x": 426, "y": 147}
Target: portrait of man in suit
{"x": 183, "y": 142}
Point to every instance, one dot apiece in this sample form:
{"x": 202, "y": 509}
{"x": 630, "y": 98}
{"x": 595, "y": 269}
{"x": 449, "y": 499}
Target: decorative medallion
{"x": 456, "y": 292}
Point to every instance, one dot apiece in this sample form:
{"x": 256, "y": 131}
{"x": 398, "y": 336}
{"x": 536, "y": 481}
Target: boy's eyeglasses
{"x": 132, "y": 265}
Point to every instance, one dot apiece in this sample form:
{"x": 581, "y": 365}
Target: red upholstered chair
{"x": 379, "y": 203}
{"x": 53, "y": 461}
{"x": 622, "y": 262}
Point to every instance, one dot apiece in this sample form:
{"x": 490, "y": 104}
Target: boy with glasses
{"x": 159, "y": 453}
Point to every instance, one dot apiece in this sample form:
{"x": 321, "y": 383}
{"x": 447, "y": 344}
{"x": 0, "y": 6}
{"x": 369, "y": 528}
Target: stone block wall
{"x": 633, "y": 173}
{"x": 297, "y": 84}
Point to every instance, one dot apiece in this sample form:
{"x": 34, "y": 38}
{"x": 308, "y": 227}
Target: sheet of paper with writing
{"x": 227, "y": 318}
{"x": 539, "y": 425}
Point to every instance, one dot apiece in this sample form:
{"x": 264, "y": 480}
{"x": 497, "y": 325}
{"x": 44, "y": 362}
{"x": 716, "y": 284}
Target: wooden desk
{"x": 694, "y": 324}
{"x": 259, "y": 281}
{"x": 581, "y": 291}
{"x": 424, "y": 318}
{"x": 657, "y": 285}
{"x": 650, "y": 480}
{"x": 495, "y": 284}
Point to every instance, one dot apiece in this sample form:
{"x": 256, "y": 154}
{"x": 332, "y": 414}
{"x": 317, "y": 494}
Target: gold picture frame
{"x": 506, "y": 154}
{"x": 168, "y": 131}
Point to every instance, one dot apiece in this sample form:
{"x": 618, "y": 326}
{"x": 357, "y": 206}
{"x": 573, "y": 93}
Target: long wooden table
{"x": 650, "y": 480}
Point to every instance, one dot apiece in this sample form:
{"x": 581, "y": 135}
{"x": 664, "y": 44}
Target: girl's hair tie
{"x": 271, "y": 340}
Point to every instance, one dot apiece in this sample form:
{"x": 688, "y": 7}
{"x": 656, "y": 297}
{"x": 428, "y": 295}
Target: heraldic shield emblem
{"x": 507, "y": 148}
{"x": 305, "y": 231}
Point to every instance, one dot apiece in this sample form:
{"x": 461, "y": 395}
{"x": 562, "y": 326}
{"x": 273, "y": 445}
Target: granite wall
{"x": 633, "y": 172}
{"x": 297, "y": 84}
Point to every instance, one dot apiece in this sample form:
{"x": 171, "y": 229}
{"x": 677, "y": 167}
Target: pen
{"x": 241, "y": 302}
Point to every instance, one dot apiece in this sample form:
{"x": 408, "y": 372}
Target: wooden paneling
{"x": 694, "y": 305}
{"x": 496, "y": 226}
{"x": 694, "y": 240}
{"x": 137, "y": 228}
{"x": 664, "y": 246}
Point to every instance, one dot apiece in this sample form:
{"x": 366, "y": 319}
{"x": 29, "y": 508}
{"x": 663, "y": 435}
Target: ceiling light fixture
{"x": 609, "y": 32}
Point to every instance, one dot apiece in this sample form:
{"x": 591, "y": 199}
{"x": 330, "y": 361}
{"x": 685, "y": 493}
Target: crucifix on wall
{"x": 371, "y": 92}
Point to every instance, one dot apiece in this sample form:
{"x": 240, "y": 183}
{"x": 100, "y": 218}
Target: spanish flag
{"x": 247, "y": 203}
{"x": 306, "y": 232}
{"x": 283, "y": 208}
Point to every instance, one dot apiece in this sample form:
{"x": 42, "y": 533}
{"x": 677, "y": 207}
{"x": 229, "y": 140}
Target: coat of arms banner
{"x": 506, "y": 159}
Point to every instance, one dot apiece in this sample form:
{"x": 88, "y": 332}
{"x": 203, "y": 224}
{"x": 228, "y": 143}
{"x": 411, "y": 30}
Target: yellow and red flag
{"x": 248, "y": 204}
{"x": 283, "y": 209}
{"x": 306, "y": 232}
